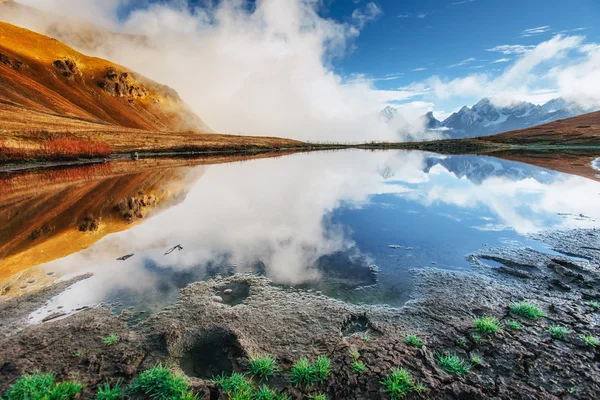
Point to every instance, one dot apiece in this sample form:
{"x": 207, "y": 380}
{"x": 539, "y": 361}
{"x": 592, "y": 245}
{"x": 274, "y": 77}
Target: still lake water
{"x": 351, "y": 224}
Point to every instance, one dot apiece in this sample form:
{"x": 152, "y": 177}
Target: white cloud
{"x": 463, "y": 62}
{"x": 510, "y": 49}
{"x": 535, "y": 31}
{"x": 461, "y": 2}
{"x": 419, "y": 69}
{"x": 501, "y": 60}
{"x": 421, "y": 15}
{"x": 371, "y": 12}
{"x": 264, "y": 71}
{"x": 561, "y": 66}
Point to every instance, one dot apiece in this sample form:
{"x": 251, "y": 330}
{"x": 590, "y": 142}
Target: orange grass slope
{"x": 39, "y": 74}
{"x": 581, "y": 130}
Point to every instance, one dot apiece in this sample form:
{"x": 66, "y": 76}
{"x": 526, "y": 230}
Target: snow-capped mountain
{"x": 477, "y": 169}
{"x": 485, "y": 118}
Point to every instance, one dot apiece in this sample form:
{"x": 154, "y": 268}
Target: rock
{"x": 217, "y": 299}
{"x": 54, "y": 316}
{"x": 227, "y": 291}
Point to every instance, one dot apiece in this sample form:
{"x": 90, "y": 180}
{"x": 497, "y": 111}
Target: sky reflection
{"x": 283, "y": 215}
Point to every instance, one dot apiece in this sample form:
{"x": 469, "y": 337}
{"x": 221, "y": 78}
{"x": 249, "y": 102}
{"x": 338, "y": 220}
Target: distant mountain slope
{"x": 485, "y": 118}
{"x": 41, "y": 74}
{"x": 580, "y": 130}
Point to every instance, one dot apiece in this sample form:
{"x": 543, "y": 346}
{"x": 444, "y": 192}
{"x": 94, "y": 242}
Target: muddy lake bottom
{"x": 205, "y": 267}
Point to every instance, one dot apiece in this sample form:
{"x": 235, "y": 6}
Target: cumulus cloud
{"x": 562, "y": 66}
{"x": 266, "y": 70}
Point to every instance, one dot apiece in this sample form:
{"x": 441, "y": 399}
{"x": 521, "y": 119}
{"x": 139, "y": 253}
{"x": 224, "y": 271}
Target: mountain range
{"x": 485, "y": 118}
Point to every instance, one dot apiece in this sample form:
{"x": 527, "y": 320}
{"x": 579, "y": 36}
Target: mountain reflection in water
{"x": 324, "y": 221}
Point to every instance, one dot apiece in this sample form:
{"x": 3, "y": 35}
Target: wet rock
{"x": 54, "y": 316}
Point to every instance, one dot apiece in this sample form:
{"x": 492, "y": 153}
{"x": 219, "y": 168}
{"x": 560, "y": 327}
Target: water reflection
{"x": 325, "y": 220}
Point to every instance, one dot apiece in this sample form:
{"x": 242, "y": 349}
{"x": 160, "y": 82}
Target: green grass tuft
{"x": 515, "y": 325}
{"x": 461, "y": 341}
{"x": 590, "y": 340}
{"x": 594, "y": 304}
{"x": 358, "y": 366}
{"x": 159, "y": 382}
{"x": 366, "y": 337}
{"x": 526, "y": 310}
{"x": 317, "y": 396}
{"x": 558, "y": 332}
{"x": 414, "y": 340}
{"x": 476, "y": 337}
{"x": 78, "y": 353}
{"x": 355, "y": 355}
{"x": 263, "y": 366}
{"x": 453, "y": 364}
{"x": 487, "y": 324}
{"x": 399, "y": 383}
{"x": 108, "y": 392}
{"x": 302, "y": 373}
{"x": 476, "y": 360}
{"x": 38, "y": 386}
{"x": 111, "y": 339}
{"x": 322, "y": 368}
{"x": 266, "y": 393}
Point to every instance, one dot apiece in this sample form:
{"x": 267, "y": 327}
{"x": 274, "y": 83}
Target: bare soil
{"x": 205, "y": 332}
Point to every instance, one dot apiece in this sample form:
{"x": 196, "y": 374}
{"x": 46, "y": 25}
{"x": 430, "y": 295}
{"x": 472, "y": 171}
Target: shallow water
{"x": 350, "y": 223}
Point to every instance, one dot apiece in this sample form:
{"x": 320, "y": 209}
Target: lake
{"x": 351, "y": 224}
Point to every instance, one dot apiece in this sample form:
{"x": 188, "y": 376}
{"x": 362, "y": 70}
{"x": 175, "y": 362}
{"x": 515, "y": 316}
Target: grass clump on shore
{"x": 558, "y": 332}
{"x": 305, "y": 373}
{"x": 594, "y": 304}
{"x": 159, "y": 382}
{"x": 414, "y": 340}
{"x": 487, "y": 324}
{"x": 515, "y": 325}
{"x": 38, "y": 386}
{"x": 322, "y": 368}
{"x": 590, "y": 340}
{"x": 302, "y": 373}
{"x": 108, "y": 392}
{"x": 476, "y": 360}
{"x": 354, "y": 354}
{"x": 358, "y": 366}
{"x": 237, "y": 386}
{"x": 111, "y": 339}
{"x": 263, "y": 366}
{"x": 399, "y": 383}
{"x": 526, "y": 310}
{"x": 317, "y": 396}
{"x": 266, "y": 393}
{"x": 453, "y": 364}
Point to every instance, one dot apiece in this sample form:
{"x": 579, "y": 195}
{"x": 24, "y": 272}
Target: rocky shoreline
{"x": 218, "y": 325}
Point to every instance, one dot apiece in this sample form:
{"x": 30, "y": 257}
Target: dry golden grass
{"x": 34, "y": 76}
{"x": 580, "y": 130}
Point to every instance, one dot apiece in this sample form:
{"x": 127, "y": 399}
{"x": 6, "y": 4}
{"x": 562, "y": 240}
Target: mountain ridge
{"x": 485, "y": 118}
{"x": 40, "y": 73}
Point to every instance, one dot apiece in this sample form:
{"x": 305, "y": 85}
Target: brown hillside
{"x": 41, "y": 74}
{"x": 580, "y": 130}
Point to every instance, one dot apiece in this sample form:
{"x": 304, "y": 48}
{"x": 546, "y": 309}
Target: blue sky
{"x": 412, "y": 40}
{"x": 449, "y": 53}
